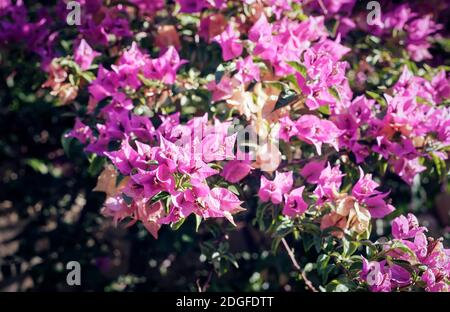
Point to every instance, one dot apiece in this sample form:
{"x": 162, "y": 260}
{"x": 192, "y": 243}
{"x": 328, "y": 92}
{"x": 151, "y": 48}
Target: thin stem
{"x": 322, "y": 6}
{"x": 297, "y": 266}
{"x": 206, "y": 285}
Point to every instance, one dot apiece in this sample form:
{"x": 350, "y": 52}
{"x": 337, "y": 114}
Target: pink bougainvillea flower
{"x": 168, "y": 123}
{"x": 216, "y": 146}
{"x": 334, "y": 48}
{"x": 287, "y": 128}
{"x": 223, "y": 89}
{"x": 441, "y": 85}
{"x": 434, "y": 280}
{"x": 84, "y": 55}
{"x": 294, "y": 204}
{"x": 268, "y": 157}
{"x": 229, "y": 202}
{"x": 406, "y": 227}
{"x": 117, "y": 208}
{"x": 400, "y": 277}
{"x": 260, "y": 29}
{"x": 261, "y": 34}
{"x": 230, "y": 43}
{"x": 235, "y": 170}
{"x": 365, "y": 192}
{"x": 191, "y": 6}
{"x": 221, "y": 203}
{"x": 148, "y": 183}
{"x": 106, "y": 84}
{"x": 407, "y": 169}
{"x": 377, "y": 206}
{"x": 184, "y": 202}
{"x": 149, "y": 214}
{"x": 247, "y": 70}
{"x": 334, "y": 219}
{"x": 345, "y": 26}
{"x": 126, "y": 158}
{"x": 314, "y": 130}
{"x": 328, "y": 183}
{"x": 332, "y": 7}
{"x": 164, "y": 68}
{"x": 311, "y": 171}
{"x": 274, "y": 190}
{"x": 80, "y": 131}
{"x": 422, "y": 27}
{"x": 383, "y": 277}
{"x": 376, "y": 275}
{"x": 165, "y": 178}
{"x": 365, "y": 187}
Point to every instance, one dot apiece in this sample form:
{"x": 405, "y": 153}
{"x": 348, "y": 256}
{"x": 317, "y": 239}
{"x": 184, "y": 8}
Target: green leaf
{"x": 377, "y": 98}
{"x": 72, "y": 80}
{"x": 198, "y": 221}
{"x": 445, "y": 44}
{"x": 317, "y": 243}
{"x": 96, "y": 165}
{"x": 286, "y": 227}
{"x": 230, "y": 258}
{"x": 219, "y": 73}
{"x": 342, "y": 284}
{"x": 311, "y": 228}
{"x": 334, "y": 93}
{"x": 398, "y": 245}
{"x": 324, "y": 109}
{"x": 275, "y": 243}
{"x": 37, "y": 165}
{"x": 349, "y": 247}
{"x": 159, "y": 196}
{"x": 232, "y": 188}
{"x": 66, "y": 143}
{"x": 439, "y": 164}
{"x": 88, "y": 76}
{"x": 308, "y": 242}
{"x": 322, "y": 264}
{"x": 326, "y": 272}
{"x": 300, "y": 68}
{"x": 175, "y": 226}
{"x": 292, "y": 79}
{"x": 286, "y": 98}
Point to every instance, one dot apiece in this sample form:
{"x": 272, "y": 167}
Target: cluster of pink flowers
{"x": 418, "y": 28}
{"x": 280, "y": 190}
{"x": 171, "y": 159}
{"x": 172, "y": 162}
{"x": 125, "y": 76}
{"x": 409, "y": 244}
{"x": 413, "y": 19}
{"x": 101, "y": 24}
{"x": 364, "y": 200}
{"x": 36, "y": 36}
{"x": 413, "y": 125}
{"x": 410, "y": 126}
{"x": 286, "y": 41}
{"x": 312, "y": 130}
{"x": 173, "y": 173}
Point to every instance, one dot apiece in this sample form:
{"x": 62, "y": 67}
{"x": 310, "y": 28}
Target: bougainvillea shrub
{"x": 311, "y": 122}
